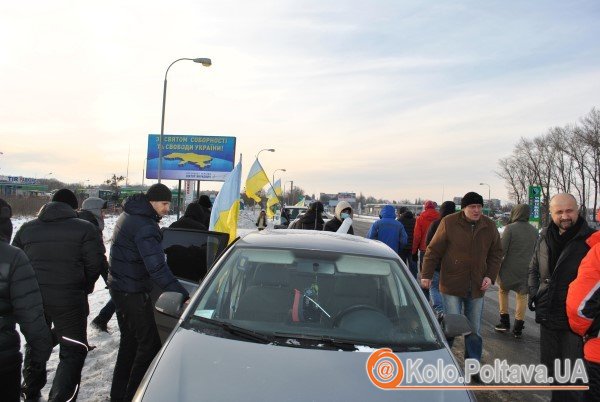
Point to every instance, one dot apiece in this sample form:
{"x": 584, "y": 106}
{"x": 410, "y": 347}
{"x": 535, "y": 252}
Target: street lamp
{"x": 291, "y": 188}
{"x": 265, "y": 149}
{"x": 206, "y": 63}
{"x": 489, "y": 196}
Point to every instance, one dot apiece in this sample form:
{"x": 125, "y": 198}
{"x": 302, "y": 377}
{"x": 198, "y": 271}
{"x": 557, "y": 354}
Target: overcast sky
{"x": 394, "y": 99}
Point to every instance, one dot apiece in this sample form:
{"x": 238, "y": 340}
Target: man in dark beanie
{"x": 67, "y": 196}
{"x": 20, "y": 303}
{"x": 66, "y": 255}
{"x": 204, "y": 200}
{"x": 136, "y": 258}
{"x": 468, "y": 248}
{"x": 311, "y": 219}
{"x": 206, "y": 207}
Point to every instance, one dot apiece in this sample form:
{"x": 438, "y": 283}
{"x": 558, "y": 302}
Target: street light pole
{"x": 273, "y": 185}
{"x": 206, "y": 63}
{"x": 489, "y": 196}
{"x": 265, "y": 149}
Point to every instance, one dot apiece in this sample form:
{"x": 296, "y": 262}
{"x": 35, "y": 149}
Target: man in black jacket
{"x": 558, "y": 253}
{"x": 136, "y": 258}
{"x": 20, "y": 303}
{"x": 92, "y": 210}
{"x": 437, "y": 302}
{"x": 407, "y": 219}
{"x": 66, "y": 257}
{"x": 311, "y": 219}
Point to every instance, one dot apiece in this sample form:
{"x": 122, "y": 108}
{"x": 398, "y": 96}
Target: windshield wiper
{"x": 238, "y": 331}
{"x": 344, "y": 344}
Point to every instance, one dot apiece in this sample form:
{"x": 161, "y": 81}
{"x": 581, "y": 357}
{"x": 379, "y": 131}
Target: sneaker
{"x": 99, "y": 324}
{"x": 504, "y": 324}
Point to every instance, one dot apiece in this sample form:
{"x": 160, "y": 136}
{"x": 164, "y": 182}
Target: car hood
{"x": 195, "y": 366}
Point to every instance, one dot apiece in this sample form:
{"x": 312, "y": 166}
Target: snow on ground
{"x": 97, "y": 372}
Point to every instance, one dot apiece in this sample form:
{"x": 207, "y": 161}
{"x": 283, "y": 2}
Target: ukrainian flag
{"x": 226, "y": 208}
{"x": 277, "y": 187}
{"x": 273, "y": 198}
{"x": 257, "y": 178}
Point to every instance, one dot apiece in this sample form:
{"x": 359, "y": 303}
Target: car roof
{"x": 316, "y": 240}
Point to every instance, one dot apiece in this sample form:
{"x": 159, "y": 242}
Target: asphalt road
{"x": 525, "y": 350}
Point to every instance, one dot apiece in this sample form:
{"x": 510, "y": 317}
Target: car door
{"x": 190, "y": 254}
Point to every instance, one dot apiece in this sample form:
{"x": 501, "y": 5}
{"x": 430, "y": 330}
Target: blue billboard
{"x": 191, "y": 157}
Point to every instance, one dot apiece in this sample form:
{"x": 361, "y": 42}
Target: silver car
{"x": 293, "y": 315}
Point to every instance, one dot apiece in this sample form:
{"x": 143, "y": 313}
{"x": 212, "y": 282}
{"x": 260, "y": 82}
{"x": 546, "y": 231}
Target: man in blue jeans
{"x": 468, "y": 247}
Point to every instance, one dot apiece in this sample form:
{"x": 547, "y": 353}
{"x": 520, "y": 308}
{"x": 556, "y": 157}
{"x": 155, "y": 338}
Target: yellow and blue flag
{"x": 300, "y": 202}
{"x": 226, "y": 208}
{"x": 257, "y": 178}
{"x": 273, "y": 199}
{"x": 277, "y": 187}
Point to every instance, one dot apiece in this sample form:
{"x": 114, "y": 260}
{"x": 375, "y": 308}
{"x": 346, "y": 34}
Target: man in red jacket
{"x": 424, "y": 220}
{"x": 583, "y": 310}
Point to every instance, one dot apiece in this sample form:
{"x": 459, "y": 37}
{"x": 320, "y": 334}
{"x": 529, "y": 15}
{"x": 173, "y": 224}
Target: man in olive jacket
{"x": 518, "y": 243}
{"x": 555, "y": 263}
{"x": 20, "y": 303}
{"x": 467, "y": 245}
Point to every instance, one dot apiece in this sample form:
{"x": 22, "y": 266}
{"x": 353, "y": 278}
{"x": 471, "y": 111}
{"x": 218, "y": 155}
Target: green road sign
{"x": 535, "y": 202}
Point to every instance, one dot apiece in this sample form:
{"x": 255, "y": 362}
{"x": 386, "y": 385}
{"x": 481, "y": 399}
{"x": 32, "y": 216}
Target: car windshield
{"x": 294, "y": 212}
{"x": 311, "y": 298}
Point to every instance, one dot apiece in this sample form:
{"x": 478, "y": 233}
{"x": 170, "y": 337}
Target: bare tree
{"x": 590, "y": 136}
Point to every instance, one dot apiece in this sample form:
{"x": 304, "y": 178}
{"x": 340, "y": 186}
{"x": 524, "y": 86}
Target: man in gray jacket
{"x": 20, "y": 303}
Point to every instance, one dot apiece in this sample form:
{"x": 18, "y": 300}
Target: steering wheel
{"x": 361, "y": 315}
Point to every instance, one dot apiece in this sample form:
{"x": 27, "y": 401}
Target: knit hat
{"x": 204, "y": 200}
{"x": 67, "y": 196}
{"x": 316, "y": 206}
{"x": 5, "y": 223}
{"x": 429, "y": 204}
{"x": 447, "y": 208}
{"x": 95, "y": 205}
{"x": 471, "y": 198}
{"x": 159, "y": 192}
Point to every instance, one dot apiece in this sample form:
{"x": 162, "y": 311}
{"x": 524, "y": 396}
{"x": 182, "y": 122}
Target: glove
{"x": 531, "y": 304}
{"x": 415, "y": 257}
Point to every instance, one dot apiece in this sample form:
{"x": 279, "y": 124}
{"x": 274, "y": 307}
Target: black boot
{"x": 518, "y": 329}
{"x": 100, "y": 324}
{"x": 504, "y": 325}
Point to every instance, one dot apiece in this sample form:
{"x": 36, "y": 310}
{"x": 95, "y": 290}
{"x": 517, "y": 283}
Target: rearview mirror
{"x": 169, "y": 303}
{"x": 455, "y": 325}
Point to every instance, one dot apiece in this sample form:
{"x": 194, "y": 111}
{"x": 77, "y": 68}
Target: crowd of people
{"x": 457, "y": 255}
{"x": 55, "y": 260}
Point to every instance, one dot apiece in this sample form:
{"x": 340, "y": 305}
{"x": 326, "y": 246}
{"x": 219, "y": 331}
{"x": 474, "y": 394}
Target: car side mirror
{"x": 455, "y": 325}
{"x": 169, "y": 303}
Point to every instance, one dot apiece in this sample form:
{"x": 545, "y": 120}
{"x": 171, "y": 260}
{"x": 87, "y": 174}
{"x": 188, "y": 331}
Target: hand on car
{"x": 487, "y": 282}
{"x": 425, "y": 283}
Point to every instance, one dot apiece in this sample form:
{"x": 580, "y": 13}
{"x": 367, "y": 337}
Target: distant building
{"x": 20, "y": 186}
